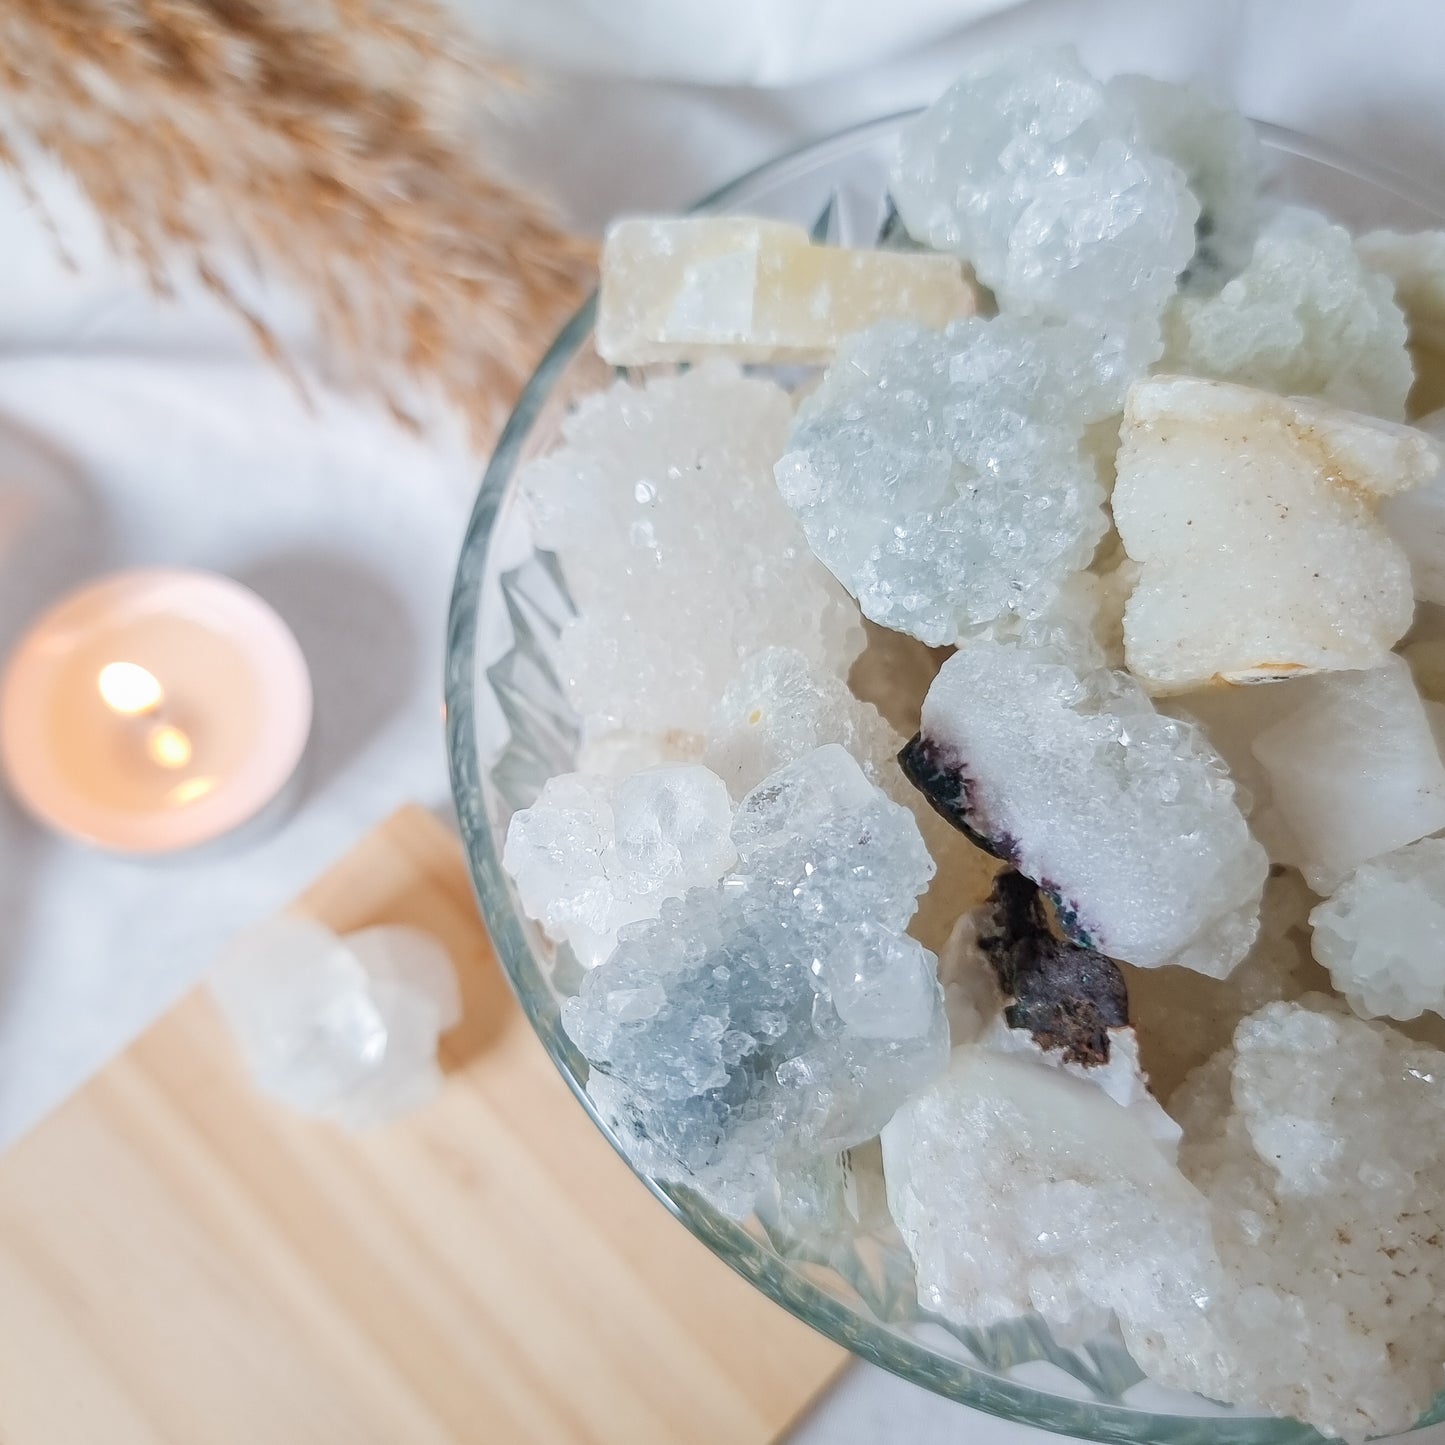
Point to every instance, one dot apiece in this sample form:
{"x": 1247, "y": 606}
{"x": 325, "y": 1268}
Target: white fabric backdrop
{"x": 132, "y": 431}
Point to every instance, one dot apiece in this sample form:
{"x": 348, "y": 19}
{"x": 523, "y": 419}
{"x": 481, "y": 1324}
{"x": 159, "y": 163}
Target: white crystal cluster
{"x": 343, "y": 1029}
{"x": 680, "y": 556}
{"x": 1381, "y": 934}
{"x": 1219, "y": 153}
{"x": 1303, "y": 318}
{"x": 1018, "y": 1187}
{"x": 939, "y": 475}
{"x": 782, "y": 1015}
{"x": 1253, "y": 519}
{"x": 1039, "y": 176}
{"x": 1318, "y": 1142}
{"x": 1125, "y": 816}
{"x": 1352, "y": 770}
{"x": 593, "y": 854}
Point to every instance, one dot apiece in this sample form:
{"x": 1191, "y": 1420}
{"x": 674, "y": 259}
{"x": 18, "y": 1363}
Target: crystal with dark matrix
{"x": 1066, "y": 996}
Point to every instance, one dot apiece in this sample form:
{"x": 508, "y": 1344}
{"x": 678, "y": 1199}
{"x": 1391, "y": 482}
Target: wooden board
{"x": 183, "y": 1262}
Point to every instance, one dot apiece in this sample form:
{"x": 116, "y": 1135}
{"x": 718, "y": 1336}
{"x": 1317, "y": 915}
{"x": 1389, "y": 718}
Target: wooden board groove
{"x": 183, "y": 1263}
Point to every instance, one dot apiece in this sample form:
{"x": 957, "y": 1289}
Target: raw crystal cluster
{"x": 1126, "y": 817}
{"x": 1319, "y": 1142}
{"x": 777, "y": 709}
{"x": 1253, "y": 519}
{"x": 1353, "y": 771}
{"x": 1381, "y": 933}
{"x": 1039, "y": 176}
{"x": 594, "y": 854}
{"x": 680, "y": 556}
{"x": 1219, "y": 153}
{"x": 782, "y": 1015}
{"x": 343, "y": 1029}
{"x": 1304, "y": 318}
{"x": 939, "y": 474}
{"x": 684, "y": 289}
{"x": 1018, "y": 1187}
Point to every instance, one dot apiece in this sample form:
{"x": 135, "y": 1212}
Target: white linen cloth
{"x": 133, "y": 431}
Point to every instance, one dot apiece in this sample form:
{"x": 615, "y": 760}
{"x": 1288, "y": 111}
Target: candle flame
{"x": 128, "y": 688}
{"x": 168, "y": 746}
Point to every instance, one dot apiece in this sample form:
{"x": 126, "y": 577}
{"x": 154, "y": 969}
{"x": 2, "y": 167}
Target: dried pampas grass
{"x": 327, "y": 142}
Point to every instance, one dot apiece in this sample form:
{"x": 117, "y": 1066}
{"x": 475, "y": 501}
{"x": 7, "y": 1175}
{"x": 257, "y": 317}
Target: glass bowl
{"x": 509, "y": 728}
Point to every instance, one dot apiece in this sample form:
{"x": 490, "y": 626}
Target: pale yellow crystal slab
{"x": 754, "y": 290}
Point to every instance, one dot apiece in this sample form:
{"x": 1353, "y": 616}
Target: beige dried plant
{"x": 329, "y": 144}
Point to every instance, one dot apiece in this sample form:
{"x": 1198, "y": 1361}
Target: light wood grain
{"x": 183, "y": 1262}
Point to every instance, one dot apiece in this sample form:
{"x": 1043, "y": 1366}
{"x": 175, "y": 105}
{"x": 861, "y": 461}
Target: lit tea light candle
{"x": 154, "y": 710}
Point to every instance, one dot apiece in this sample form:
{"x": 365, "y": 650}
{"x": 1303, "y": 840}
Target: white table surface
{"x": 133, "y": 432}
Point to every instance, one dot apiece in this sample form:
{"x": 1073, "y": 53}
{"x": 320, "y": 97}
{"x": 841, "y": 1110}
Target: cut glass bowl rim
{"x": 760, "y": 1266}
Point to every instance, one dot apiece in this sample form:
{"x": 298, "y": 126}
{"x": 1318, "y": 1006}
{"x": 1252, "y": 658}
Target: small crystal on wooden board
{"x": 754, "y": 290}
{"x": 344, "y": 1029}
{"x": 1253, "y": 519}
{"x": 1303, "y": 318}
{"x": 1126, "y": 817}
{"x": 1381, "y": 933}
{"x": 1319, "y": 1142}
{"x": 1353, "y": 770}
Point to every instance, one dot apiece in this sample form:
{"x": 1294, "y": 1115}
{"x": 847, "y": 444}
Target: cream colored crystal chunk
{"x": 754, "y": 290}
{"x": 1253, "y": 519}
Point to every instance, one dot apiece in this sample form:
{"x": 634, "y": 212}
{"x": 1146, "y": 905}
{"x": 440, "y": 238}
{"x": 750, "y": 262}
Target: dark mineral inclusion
{"x": 1067, "y": 996}
{"x": 939, "y": 778}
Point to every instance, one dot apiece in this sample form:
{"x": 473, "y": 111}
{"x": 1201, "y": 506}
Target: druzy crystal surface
{"x": 1353, "y": 770}
{"x": 1381, "y": 933}
{"x": 1032, "y": 171}
{"x": 782, "y": 1015}
{"x": 777, "y": 709}
{"x": 594, "y": 854}
{"x": 680, "y": 556}
{"x": 1126, "y": 817}
{"x": 684, "y": 288}
{"x": 1219, "y": 154}
{"x": 1318, "y": 1142}
{"x": 939, "y": 475}
{"x": 1018, "y": 1187}
{"x": 343, "y": 1029}
{"x": 1304, "y": 318}
{"x": 1253, "y": 519}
